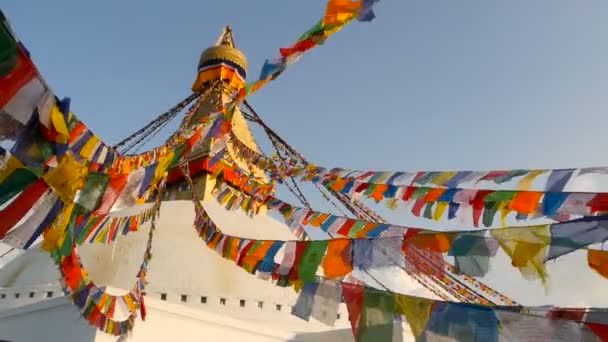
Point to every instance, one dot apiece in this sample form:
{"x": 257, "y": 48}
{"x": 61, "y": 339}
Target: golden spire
{"x": 224, "y": 50}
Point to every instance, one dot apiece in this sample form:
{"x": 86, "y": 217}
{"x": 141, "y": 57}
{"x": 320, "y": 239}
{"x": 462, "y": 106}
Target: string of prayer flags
{"x": 14, "y": 180}
{"x": 556, "y": 181}
{"x": 18, "y": 209}
{"x": 438, "y": 202}
{"x": 22, "y": 89}
{"x": 40, "y": 215}
{"x": 96, "y": 305}
{"x": 47, "y": 135}
{"x": 372, "y": 311}
{"x": 472, "y": 250}
{"x": 228, "y": 173}
{"x": 62, "y": 181}
{"x": 528, "y": 248}
{"x": 106, "y": 229}
{"x": 338, "y": 14}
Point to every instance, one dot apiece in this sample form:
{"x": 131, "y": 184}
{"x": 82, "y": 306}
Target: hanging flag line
{"x": 448, "y": 275}
{"x": 96, "y": 305}
{"x": 529, "y": 247}
{"x": 445, "y": 272}
{"x": 453, "y": 272}
{"x": 437, "y": 203}
{"x": 298, "y": 269}
{"x": 372, "y": 312}
{"x": 556, "y": 180}
{"x": 79, "y": 160}
{"x": 200, "y": 213}
{"x": 25, "y": 89}
{"x": 76, "y": 180}
{"x": 338, "y": 13}
{"x": 32, "y": 104}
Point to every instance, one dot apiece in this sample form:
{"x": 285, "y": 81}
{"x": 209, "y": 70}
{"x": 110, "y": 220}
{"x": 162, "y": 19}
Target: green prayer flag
{"x": 311, "y": 258}
{"x": 370, "y": 189}
{"x": 376, "y": 322}
{"x": 500, "y": 196}
{"x": 490, "y": 209}
{"x": 283, "y": 281}
{"x": 93, "y": 190}
{"x": 16, "y": 182}
{"x": 426, "y": 178}
{"x": 8, "y": 51}
{"x": 357, "y": 227}
{"x": 178, "y": 152}
{"x": 317, "y": 29}
{"x": 419, "y": 192}
{"x": 428, "y": 210}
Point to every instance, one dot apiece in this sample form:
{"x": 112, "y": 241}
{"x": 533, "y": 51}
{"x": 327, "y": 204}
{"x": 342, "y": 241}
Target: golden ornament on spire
{"x": 222, "y": 61}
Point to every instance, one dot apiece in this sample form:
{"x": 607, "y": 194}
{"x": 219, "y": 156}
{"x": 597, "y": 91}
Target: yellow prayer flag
{"x": 297, "y": 285}
{"x": 443, "y": 177}
{"x": 417, "y": 311}
{"x": 163, "y": 164}
{"x": 526, "y": 182}
{"x": 87, "y": 150}
{"x": 504, "y": 209}
{"x": 54, "y": 234}
{"x": 527, "y": 249}
{"x": 67, "y": 177}
{"x": 60, "y": 125}
{"x": 130, "y": 303}
{"x": 441, "y": 206}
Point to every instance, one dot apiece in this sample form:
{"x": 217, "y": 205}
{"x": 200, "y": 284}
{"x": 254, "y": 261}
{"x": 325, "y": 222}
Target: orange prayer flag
{"x": 525, "y": 202}
{"x": 214, "y": 241}
{"x": 337, "y": 261}
{"x": 317, "y": 222}
{"x": 378, "y": 193}
{"x": 76, "y": 131}
{"x": 250, "y": 260}
{"x": 338, "y": 11}
{"x": 439, "y": 242}
{"x": 71, "y": 271}
{"x": 598, "y": 261}
{"x": 434, "y": 194}
{"x": 363, "y": 232}
{"x": 339, "y": 184}
{"x": 234, "y": 249}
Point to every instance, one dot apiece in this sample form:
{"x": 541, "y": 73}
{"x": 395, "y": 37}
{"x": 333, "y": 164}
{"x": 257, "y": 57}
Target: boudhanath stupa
{"x": 193, "y": 294}
{"x": 194, "y": 240}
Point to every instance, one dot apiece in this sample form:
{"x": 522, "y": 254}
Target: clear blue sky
{"x": 468, "y": 84}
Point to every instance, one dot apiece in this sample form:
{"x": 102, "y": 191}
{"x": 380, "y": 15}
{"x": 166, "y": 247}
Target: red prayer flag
{"x": 14, "y": 212}
{"x": 353, "y": 296}
{"x": 23, "y": 72}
